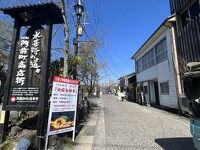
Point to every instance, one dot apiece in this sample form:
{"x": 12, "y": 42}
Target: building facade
{"x": 187, "y": 29}
{"x": 128, "y": 84}
{"x": 156, "y": 70}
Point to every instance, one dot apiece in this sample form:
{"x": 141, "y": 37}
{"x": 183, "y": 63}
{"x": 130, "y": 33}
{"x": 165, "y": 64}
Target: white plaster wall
{"x": 170, "y": 100}
{"x": 162, "y": 72}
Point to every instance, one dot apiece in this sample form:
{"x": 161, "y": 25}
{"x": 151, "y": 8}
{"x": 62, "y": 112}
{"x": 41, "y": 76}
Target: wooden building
{"x": 187, "y": 31}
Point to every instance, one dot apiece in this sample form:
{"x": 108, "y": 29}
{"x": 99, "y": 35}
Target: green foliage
{"x": 56, "y": 69}
{"x": 5, "y": 38}
{"x": 8, "y": 145}
{"x": 73, "y": 62}
{"x": 68, "y": 143}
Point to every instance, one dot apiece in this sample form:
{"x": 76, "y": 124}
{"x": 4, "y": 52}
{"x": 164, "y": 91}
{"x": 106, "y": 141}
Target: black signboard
{"x": 27, "y": 88}
{"x": 27, "y": 69}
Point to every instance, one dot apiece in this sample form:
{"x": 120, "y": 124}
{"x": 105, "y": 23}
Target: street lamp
{"x": 79, "y": 9}
{"x": 79, "y": 29}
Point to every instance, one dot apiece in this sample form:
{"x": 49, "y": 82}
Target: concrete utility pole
{"x": 79, "y": 30}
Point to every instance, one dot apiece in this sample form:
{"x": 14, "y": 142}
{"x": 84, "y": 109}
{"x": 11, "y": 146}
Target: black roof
{"x": 129, "y": 75}
{"x": 37, "y": 12}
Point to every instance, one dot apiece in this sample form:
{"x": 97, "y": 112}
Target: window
{"x": 161, "y": 51}
{"x": 145, "y": 61}
{"x": 164, "y": 88}
{"x": 145, "y": 89}
{"x": 139, "y": 65}
{"x": 149, "y": 59}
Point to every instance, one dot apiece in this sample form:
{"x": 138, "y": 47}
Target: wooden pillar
{"x": 15, "y": 38}
{"x": 44, "y": 94}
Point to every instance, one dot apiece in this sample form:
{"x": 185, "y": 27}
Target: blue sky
{"x": 126, "y": 25}
{"x": 122, "y": 25}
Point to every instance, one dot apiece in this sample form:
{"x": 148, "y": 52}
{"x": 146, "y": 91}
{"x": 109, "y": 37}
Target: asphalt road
{"x": 117, "y": 125}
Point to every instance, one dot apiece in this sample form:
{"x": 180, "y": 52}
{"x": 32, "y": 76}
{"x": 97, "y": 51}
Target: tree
{"x": 88, "y": 67}
{"x": 5, "y": 38}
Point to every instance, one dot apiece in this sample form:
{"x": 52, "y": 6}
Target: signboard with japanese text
{"x": 26, "y": 74}
{"x": 62, "y": 114}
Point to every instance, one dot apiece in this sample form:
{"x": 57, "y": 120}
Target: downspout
{"x": 175, "y": 62}
{"x": 177, "y": 77}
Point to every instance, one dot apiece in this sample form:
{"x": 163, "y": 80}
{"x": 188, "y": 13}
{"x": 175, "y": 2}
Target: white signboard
{"x": 62, "y": 114}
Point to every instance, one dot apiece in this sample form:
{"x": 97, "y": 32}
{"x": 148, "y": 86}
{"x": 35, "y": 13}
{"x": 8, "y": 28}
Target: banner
{"x": 62, "y": 114}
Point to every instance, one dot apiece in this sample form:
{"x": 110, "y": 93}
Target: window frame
{"x": 150, "y": 58}
{"x": 164, "y": 88}
{"x": 145, "y": 89}
{"x": 161, "y": 52}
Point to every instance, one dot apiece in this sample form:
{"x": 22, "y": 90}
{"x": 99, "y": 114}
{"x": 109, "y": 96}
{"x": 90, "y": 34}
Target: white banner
{"x": 62, "y": 114}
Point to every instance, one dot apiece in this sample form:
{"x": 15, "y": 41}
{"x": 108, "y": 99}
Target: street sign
{"x": 26, "y": 73}
{"x": 63, "y": 105}
{"x": 27, "y": 88}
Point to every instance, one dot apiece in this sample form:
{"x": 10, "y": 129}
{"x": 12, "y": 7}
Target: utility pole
{"x": 66, "y": 38}
{"x": 79, "y": 30}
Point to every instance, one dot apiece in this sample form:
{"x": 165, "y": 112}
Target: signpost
{"x": 26, "y": 87}
{"x": 62, "y": 114}
{"x": 26, "y": 73}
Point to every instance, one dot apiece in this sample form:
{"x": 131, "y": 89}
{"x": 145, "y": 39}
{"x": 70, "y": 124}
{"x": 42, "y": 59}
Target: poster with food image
{"x": 63, "y": 104}
{"x": 62, "y": 120}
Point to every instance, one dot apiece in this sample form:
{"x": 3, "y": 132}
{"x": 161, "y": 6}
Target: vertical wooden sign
{"x": 27, "y": 70}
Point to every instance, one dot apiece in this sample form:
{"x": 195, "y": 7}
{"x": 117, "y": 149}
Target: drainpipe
{"x": 175, "y": 62}
{"x": 175, "y": 58}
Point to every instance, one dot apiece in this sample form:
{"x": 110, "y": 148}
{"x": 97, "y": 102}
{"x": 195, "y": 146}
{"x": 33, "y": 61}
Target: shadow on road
{"x": 176, "y": 143}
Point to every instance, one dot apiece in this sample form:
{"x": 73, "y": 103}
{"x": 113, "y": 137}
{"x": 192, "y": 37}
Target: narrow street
{"x": 117, "y": 125}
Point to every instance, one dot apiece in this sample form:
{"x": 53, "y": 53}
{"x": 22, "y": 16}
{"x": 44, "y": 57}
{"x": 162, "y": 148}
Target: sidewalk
{"x": 92, "y": 136}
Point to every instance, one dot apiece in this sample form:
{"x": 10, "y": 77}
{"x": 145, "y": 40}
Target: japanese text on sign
{"x": 35, "y": 49}
{"x": 22, "y": 65}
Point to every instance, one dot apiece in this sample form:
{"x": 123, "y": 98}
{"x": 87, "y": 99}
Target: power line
{"x": 110, "y": 70}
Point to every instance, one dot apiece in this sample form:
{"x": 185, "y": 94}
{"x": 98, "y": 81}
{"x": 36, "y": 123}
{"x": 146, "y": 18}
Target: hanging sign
{"x": 26, "y": 73}
{"x": 62, "y": 114}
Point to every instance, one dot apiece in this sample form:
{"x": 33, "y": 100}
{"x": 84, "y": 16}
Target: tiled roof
{"x": 35, "y": 10}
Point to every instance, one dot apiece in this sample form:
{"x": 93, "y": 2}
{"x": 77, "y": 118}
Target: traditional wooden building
{"x": 186, "y": 30}
{"x": 187, "y": 13}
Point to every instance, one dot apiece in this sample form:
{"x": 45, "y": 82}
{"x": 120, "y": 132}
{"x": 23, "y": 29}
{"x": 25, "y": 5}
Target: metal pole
{"x": 76, "y": 46}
